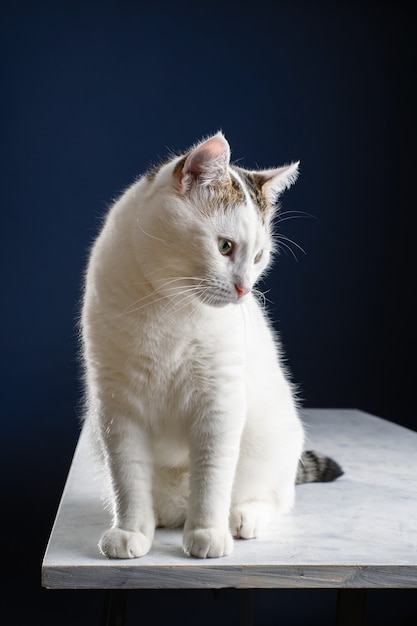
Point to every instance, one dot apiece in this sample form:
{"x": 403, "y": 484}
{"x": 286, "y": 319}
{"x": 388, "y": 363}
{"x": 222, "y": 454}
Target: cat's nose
{"x": 241, "y": 290}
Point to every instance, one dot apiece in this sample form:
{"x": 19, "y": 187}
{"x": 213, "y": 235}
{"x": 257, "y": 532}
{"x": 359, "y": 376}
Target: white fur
{"x": 186, "y": 395}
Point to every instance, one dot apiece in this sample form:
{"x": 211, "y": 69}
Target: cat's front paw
{"x": 207, "y": 542}
{"x": 117, "y": 543}
{"x": 249, "y": 518}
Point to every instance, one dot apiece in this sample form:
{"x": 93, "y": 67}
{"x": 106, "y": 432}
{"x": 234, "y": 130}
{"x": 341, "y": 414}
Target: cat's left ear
{"x": 205, "y": 164}
{"x": 278, "y": 180}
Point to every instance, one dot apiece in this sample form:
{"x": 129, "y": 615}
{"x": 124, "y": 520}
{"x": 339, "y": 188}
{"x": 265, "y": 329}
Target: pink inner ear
{"x": 208, "y": 158}
{"x": 195, "y": 163}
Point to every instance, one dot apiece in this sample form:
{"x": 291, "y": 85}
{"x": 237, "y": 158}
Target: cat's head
{"x": 213, "y": 220}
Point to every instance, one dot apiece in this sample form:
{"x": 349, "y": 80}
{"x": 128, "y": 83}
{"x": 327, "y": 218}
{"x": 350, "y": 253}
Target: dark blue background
{"x": 95, "y": 92}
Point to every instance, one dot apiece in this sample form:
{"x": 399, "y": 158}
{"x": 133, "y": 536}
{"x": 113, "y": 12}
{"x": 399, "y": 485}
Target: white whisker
{"x": 261, "y": 297}
{"x": 164, "y": 291}
{"x": 160, "y": 280}
{"x": 180, "y": 303}
{"x": 186, "y": 297}
{"x": 285, "y": 247}
{"x": 291, "y": 215}
{"x": 133, "y": 308}
{"x": 148, "y": 234}
{"x": 187, "y": 292}
{"x": 281, "y": 238}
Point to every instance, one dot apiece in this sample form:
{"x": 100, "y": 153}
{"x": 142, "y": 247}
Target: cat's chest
{"x": 173, "y": 360}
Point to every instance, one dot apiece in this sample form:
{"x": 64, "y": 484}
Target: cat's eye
{"x": 258, "y": 257}
{"x": 225, "y": 246}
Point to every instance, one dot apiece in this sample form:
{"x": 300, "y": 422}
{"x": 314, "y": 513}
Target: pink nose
{"x": 241, "y": 291}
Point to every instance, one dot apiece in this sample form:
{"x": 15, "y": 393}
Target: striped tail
{"x": 315, "y": 467}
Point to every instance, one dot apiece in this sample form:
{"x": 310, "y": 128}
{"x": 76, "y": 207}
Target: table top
{"x": 359, "y": 531}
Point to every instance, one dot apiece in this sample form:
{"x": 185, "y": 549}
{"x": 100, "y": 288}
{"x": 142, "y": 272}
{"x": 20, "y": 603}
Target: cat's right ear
{"x": 206, "y": 164}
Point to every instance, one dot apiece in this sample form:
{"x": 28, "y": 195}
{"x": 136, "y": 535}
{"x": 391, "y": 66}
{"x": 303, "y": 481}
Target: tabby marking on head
{"x": 254, "y": 183}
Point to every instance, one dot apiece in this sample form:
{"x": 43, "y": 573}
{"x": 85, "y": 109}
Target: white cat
{"x": 196, "y": 420}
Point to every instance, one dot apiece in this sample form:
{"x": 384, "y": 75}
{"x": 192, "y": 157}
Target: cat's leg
{"x": 171, "y": 487}
{"x": 214, "y": 451}
{"x": 264, "y": 486}
{"x": 128, "y": 458}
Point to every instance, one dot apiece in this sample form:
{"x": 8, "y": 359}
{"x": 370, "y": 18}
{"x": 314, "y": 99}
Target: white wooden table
{"x": 358, "y": 532}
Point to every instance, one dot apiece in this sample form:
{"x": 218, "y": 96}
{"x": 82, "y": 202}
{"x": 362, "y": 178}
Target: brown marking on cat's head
{"x": 254, "y": 183}
{"x": 227, "y": 194}
{"x": 220, "y": 194}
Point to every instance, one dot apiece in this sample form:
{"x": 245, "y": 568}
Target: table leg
{"x": 114, "y": 607}
{"x": 351, "y": 607}
{"x": 245, "y": 607}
